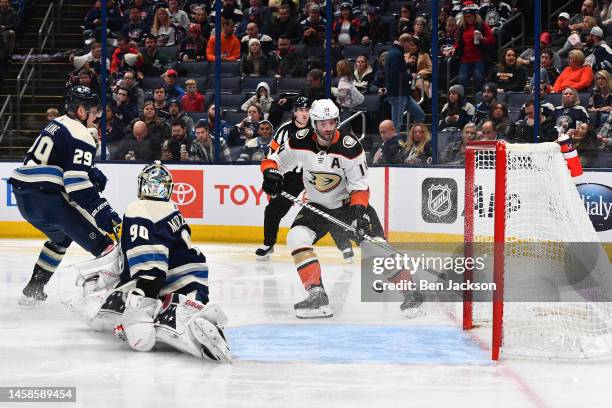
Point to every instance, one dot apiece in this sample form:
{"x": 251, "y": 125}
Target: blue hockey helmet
{"x": 155, "y": 182}
{"x": 81, "y": 96}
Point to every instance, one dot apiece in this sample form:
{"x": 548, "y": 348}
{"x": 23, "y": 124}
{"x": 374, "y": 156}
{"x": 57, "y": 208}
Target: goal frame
{"x": 499, "y": 220}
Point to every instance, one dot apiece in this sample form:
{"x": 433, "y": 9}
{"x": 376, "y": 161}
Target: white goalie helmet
{"x": 155, "y": 182}
{"x": 323, "y": 109}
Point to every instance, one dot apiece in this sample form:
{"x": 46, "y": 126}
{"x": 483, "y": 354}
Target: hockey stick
{"x": 350, "y": 228}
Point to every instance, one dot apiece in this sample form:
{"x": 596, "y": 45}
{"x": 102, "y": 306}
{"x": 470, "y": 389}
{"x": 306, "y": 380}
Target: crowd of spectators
{"x": 161, "y": 78}
{"x": 10, "y": 30}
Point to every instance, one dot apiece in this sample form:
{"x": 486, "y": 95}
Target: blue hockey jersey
{"x": 156, "y": 242}
{"x": 59, "y": 161}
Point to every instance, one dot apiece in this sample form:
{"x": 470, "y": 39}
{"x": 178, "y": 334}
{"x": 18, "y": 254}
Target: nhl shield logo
{"x": 438, "y": 201}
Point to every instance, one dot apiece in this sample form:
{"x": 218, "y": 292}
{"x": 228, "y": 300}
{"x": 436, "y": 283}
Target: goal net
{"x": 552, "y": 277}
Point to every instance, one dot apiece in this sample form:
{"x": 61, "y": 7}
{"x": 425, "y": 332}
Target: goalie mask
{"x": 155, "y": 183}
{"x": 324, "y": 110}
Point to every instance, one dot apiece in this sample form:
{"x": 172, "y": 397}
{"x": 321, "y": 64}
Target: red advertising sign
{"x": 188, "y": 192}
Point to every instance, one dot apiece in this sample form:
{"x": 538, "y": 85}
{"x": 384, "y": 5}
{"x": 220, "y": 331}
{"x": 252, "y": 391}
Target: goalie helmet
{"x": 323, "y": 109}
{"x": 155, "y": 183}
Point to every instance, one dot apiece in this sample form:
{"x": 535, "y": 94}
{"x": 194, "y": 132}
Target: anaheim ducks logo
{"x": 324, "y": 182}
{"x": 300, "y": 134}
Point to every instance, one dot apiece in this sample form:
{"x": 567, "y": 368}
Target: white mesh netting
{"x": 544, "y": 212}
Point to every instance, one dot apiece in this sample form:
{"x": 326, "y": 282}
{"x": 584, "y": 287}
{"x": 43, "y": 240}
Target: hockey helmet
{"x": 323, "y": 109}
{"x": 301, "y": 102}
{"x": 82, "y": 96}
{"x": 155, "y": 182}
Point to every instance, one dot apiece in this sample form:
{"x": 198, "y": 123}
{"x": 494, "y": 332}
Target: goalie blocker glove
{"x": 361, "y": 223}
{"x": 106, "y": 218}
{"x": 273, "y": 182}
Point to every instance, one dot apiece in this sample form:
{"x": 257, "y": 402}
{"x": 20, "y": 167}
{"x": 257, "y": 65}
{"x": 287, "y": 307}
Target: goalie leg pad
{"x": 138, "y": 320}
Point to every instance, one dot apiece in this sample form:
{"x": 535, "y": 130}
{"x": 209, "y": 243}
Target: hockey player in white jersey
{"x": 335, "y": 177}
{"x": 162, "y": 293}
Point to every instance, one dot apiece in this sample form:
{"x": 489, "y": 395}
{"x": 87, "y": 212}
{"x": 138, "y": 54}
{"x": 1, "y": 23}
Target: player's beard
{"x": 323, "y": 140}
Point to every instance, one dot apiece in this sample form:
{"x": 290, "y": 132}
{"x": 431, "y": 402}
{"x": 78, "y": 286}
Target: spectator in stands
{"x": 115, "y": 131}
{"x": 346, "y": 93}
{"x": 346, "y": 27}
{"x": 52, "y": 113}
{"x": 584, "y": 140}
{"x": 177, "y": 113}
{"x": 124, "y": 109}
{"x": 225, "y": 128}
{"x": 257, "y": 148}
{"x": 604, "y": 135}
{"x": 573, "y": 43}
{"x": 587, "y": 25}
{"x": 139, "y": 144}
{"x": 588, "y": 9}
{"x": 262, "y": 98}
{"x": 448, "y": 37}
{"x": 487, "y": 131}
{"x": 363, "y": 76}
{"x": 154, "y": 62}
{"x": 397, "y": 84}
{"x": 525, "y": 132}
{"x": 473, "y": 36}
{"x": 458, "y": 111}
{"x": 570, "y": 114}
{"x": 284, "y": 25}
{"x": 313, "y": 89}
{"x": 575, "y": 75}
{"x": 285, "y": 61}
{"x": 9, "y": 24}
{"x": 419, "y": 65}
{"x": 549, "y": 72}
{"x": 254, "y": 62}
{"x": 252, "y": 32}
{"x": 374, "y": 30}
{"x": 203, "y": 148}
{"x": 559, "y": 36}
{"x": 262, "y": 12}
{"x": 91, "y": 60}
{"x": 527, "y": 57}
{"x": 179, "y": 17}
{"x": 391, "y": 150}
{"x": 200, "y": 18}
{"x": 417, "y": 149}
{"x": 192, "y": 100}
{"x": 160, "y": 101}
{"x": 135, "y": 92}
{"x": 421, "y": 34}
{"x": 454, "y": 152}
{"x": 598, "y": 54}
{"x": 546, "y": 107}
{"x": 379, "y": 72}
{"x": 504, "y": 127}
{"x": 600, "y": 102}
{"x": 93, "y": 19}
{"x": 313, "y": 28}
{"x": 230, "y": 45}
{"x": 193, "y": 47}
{"x": 135, "y": 28}
{"x": 162, "y": 28}
{"x": 247, "y": 127}
{"x": 508, "y": 75}
{"x": 495, "y": 14}
{"x": 89, "y": 79}
{"x": 229, "y": 10}
{"x": 484, "y": 107}
{"x": 123, "y": 47}
{"x": 178, "y": 146}
{"x": 405, "y": 24}
{"x": 173, "y": 90}
{"x": 146, "y": 12}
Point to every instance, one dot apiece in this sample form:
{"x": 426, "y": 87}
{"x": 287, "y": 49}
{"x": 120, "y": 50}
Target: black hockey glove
{"x": 98, "y": 179}
{"x": 361, "y": 223}
{"x": 106, "y": 218}
{"x": 273, "y": 182}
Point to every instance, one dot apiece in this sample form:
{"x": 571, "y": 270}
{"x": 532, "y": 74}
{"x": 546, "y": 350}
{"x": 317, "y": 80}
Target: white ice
{"x": 47, "y": 346}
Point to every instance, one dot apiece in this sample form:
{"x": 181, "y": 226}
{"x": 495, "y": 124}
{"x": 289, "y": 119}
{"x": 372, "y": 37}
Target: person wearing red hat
{"x": 173, "y": 90}
{"x": 193, "y": 48}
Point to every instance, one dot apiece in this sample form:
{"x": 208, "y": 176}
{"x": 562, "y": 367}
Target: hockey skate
{"x": 315, "y": 305}
{"x": 33, "y": 293}
{"x": 411, "y": 307}
{"x": 264, "y": 253}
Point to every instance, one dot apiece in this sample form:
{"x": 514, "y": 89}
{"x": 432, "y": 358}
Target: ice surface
{"x": 367, "y": 355}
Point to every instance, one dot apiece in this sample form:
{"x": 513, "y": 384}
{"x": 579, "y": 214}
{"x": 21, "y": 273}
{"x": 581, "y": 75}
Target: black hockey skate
{"x": 33, "y": 293}
{"x": 264, "y": 253}
{"x": 411, "y": 306}
{"x": 315, "y": 305}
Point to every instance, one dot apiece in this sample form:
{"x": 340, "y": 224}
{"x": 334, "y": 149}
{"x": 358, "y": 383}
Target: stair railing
{"x": 6, "y": 117}
{"x": 46, "y": 32}
{"x": 354, "y": 116}
{"x": 24, "y": 81}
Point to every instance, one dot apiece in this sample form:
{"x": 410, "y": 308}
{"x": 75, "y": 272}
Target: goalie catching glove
{"x": 273, "y": 182}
